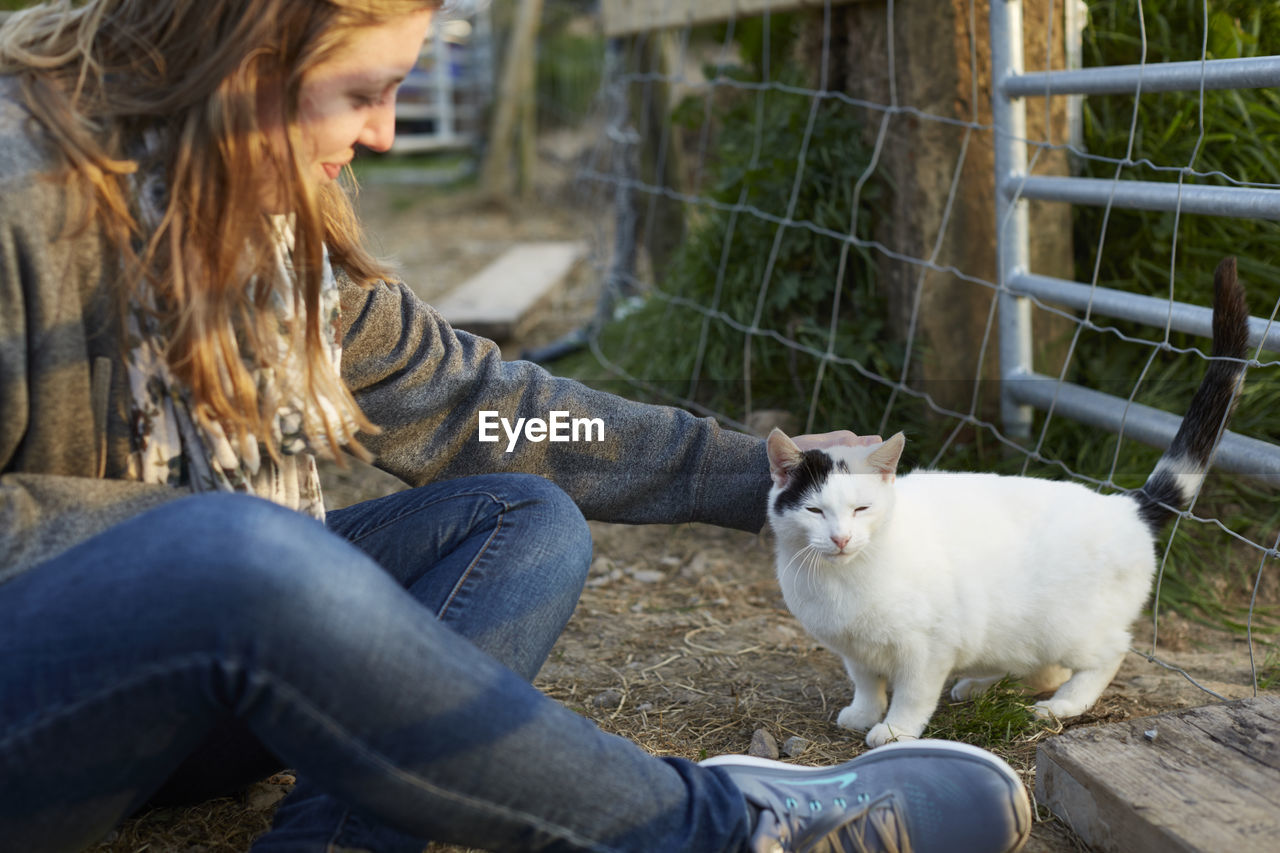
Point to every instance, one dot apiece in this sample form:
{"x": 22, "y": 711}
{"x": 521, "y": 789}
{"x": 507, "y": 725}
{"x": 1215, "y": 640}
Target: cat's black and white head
{"x": 831, "y": 500}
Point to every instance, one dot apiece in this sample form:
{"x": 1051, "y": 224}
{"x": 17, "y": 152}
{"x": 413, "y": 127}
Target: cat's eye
{"x": 858, "y": 509}
{"x": 816, "y": 509}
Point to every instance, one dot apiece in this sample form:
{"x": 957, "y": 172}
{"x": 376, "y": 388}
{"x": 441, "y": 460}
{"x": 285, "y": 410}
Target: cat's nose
{"x": 840, "y": 541}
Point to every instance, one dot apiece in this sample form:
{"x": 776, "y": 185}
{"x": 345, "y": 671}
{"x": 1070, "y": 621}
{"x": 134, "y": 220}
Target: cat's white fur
{"x": 916, "y": 578}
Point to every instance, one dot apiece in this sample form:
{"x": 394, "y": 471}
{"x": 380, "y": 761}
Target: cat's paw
{"x": 1057, "y": 709}
{"x": 857, "y": 718}
{"x": 882, "y": 733}
{"x": 971, "y": 688}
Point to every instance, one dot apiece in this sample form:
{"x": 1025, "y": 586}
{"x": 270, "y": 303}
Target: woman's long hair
{"x": 102, "y": 75}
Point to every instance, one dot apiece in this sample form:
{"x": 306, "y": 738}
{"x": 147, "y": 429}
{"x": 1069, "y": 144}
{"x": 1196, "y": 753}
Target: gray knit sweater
{"x": 64, "y": 443}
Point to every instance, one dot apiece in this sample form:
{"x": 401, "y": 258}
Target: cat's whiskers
{"x": 816, "y": 566}
{"x": 801, "y": 555}
{"x": 795, "y": 556}
{"x": 806, "y": 561}
{"x": 812, "y": 563}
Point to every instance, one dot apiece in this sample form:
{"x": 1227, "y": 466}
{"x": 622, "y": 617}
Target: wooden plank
{"x": 628, "y": 17}
{"x": 501, "y": 300}
{"x": 1203, "y": 780}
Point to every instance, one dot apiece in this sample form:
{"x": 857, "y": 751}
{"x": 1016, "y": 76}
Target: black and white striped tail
{"x": 1178, "y": 474}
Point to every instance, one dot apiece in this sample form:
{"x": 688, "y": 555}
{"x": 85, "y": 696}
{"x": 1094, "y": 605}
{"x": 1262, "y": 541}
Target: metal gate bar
{"x": 1150, "y": 310}
{"x": 1254, "y": 72}
{"x": 1241, "y": 202}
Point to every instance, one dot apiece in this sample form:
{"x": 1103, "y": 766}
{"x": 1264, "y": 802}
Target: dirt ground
{"x": 682, "y": 641}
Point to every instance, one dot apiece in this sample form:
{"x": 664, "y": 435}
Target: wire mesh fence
{"x": 819, "y": 209}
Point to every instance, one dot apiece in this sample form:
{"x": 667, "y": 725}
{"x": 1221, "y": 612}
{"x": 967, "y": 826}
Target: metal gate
{"x": 1023, "y": 389}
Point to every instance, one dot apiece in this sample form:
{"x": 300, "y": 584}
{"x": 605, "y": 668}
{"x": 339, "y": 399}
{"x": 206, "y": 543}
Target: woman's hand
{"x": 841, "y": 437}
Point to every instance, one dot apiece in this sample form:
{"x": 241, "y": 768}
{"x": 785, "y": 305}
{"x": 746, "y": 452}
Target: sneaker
{"x": 920, "y": 795}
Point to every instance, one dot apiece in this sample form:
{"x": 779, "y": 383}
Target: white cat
{"x": 912, "y": 579}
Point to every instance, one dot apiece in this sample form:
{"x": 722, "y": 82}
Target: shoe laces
{"x": 878, "y": 826}
{"x": 884, "y": 818}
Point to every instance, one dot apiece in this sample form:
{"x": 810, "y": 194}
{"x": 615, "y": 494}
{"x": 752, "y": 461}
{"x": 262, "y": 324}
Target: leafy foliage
{"x": 1233, "y": 133}
{"x": 568, "y": 72}
{"x": 771, "y": 154}
{"x": 999, "y": 715}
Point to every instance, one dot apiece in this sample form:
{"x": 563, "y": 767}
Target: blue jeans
{"x": 387, "y": 659}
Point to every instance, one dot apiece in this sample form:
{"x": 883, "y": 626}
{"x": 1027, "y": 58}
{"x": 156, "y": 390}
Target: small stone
{"x": 794, "y": 747}
{"x": 606, "y": 699}
{"x": 263, "y": 796}
{"x": 648, "y": 576}
{"x": 697, "y": 567}
{"x": 763, "y": 745}
{"x": 1150, "y": 734}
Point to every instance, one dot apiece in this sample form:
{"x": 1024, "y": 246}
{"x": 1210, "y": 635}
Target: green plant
{"x": 1269, "y": 670}
{"x": 1232, "y": 133}
{"x": 1237, "y": 136}
{"x": 752, "y": 271}
{"x": 568, "y": 74}
{"x": 999, "y": 716}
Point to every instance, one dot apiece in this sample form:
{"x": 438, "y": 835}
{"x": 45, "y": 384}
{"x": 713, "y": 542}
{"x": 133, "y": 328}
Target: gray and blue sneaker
{"x": 920, "y": 796}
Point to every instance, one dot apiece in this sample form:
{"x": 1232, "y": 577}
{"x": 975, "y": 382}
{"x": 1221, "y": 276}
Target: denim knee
{"x": 559, "y": 523}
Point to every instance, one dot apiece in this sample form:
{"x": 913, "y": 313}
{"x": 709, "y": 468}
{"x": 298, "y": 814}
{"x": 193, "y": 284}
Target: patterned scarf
{"x": 172, "y": 444}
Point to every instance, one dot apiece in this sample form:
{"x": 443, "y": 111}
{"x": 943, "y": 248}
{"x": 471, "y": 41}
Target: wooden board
{"x": 628, "y": 17}
{"x": 501, "y": 300}
{"x": 1208, "y": 780}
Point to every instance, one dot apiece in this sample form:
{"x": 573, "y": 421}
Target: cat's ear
{"x": 784, "y": 456}
{"x": 885, "y": 457}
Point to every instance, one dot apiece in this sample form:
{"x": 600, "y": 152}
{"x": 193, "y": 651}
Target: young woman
{"x": 188, "y": 319}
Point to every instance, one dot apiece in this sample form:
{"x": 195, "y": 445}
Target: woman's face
{"x": 350, "y": 98}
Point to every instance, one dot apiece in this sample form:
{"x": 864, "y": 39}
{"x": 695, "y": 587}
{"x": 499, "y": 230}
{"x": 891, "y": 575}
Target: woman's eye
{"x": 367, "y": 100}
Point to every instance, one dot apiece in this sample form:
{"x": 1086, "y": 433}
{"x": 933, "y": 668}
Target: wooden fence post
{"x": 514, "y": 106}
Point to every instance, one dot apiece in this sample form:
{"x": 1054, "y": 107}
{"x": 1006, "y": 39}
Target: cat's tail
{"x": 1178, "y": 474}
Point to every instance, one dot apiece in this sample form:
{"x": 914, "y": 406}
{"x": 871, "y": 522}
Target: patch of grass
{"x": 1269, "y": 670}
{"x": 999, "y": 717}
{"x": 223, "y": 824}
{"x": 1235, "y": 133}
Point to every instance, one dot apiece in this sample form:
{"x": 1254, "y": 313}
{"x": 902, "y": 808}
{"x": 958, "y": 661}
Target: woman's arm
{"x": 426, "y": 385}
